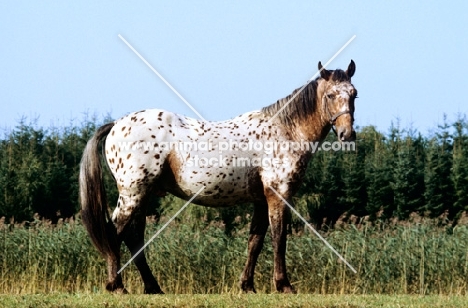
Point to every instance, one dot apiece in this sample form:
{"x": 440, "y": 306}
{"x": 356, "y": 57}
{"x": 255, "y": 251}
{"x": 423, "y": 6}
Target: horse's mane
{"x": 303, "y": 104}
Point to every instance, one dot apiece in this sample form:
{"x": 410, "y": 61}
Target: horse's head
{"x": 337, "y": 95}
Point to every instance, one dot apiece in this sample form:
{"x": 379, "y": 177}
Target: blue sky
{"x": 60, "y": 60}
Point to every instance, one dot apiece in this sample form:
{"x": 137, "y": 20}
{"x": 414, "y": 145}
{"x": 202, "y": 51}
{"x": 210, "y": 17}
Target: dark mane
{"x": 303, "y": 104}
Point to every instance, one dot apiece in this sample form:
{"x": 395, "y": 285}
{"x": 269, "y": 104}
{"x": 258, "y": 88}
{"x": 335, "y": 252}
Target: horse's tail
{"x": 94, "y": 213}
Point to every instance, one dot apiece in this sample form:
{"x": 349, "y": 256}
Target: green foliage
{"x": 39, "y": 170}
{"x": 439, "y": 185}
{"x": 407, "y": 181}
{"x": 460, "y": 167}
{"x": 379, "y": 175}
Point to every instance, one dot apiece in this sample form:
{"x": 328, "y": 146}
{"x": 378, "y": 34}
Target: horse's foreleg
{"x": 278, "y": 214}
{"x": 134, "y": 239}
{"x": 258, "y": 228}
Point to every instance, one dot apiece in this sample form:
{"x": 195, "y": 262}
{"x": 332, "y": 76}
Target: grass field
{"x": 230, "y": 300}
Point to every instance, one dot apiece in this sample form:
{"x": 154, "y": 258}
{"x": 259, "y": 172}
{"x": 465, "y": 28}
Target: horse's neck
{"x": 313, "y": 128}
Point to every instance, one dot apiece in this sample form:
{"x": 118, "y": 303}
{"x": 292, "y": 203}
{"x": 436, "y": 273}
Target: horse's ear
{"x": 351, "y": 69}
{"x": 324, "y": 73}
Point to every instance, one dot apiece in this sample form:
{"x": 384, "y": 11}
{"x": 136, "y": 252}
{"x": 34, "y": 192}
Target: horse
{"x": 215, "y": 164}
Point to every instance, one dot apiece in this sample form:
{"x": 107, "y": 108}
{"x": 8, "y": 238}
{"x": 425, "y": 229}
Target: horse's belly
{"x": 223, "y": 186}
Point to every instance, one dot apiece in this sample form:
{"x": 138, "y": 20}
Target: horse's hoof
{"x": 284, "y": 287}
{"x": 288, "y": 290}
{"x": 249, "y": 291}
{"x": 153, "y": 291}
{"x": 247, "y": 287}
{"x": 120, "y": 291}
{"x": 116, "y": 288}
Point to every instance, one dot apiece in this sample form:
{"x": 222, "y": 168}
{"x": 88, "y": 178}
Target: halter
{"x": 335, "y": 117}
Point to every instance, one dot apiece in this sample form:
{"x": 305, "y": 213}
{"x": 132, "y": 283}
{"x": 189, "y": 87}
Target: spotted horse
{"x": 142, "y": 166}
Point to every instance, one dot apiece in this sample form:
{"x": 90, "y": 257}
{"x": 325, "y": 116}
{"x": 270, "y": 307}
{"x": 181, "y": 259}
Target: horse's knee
{"x": 124, "y": 211}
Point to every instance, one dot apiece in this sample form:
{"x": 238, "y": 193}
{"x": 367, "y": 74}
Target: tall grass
{"x": 406, "y": 259}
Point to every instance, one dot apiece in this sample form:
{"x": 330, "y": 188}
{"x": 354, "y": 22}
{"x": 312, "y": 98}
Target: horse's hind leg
{"x": 114, "y": 282}
{"x": 134, "y": 239}
{"x": 258, "y": 228}
{"x": 121, "y": 218}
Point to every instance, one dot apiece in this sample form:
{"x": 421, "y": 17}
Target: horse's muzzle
{"x": 345, "y": 134}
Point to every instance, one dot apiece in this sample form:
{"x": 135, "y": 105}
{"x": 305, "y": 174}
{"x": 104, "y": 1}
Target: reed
{"x": 390, "y": 259}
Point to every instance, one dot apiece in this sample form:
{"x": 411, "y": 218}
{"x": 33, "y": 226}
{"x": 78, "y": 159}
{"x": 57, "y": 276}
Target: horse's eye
{"x": 330, "y": 96}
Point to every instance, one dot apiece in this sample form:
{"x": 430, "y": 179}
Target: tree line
{"x": 390, "y": 175}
